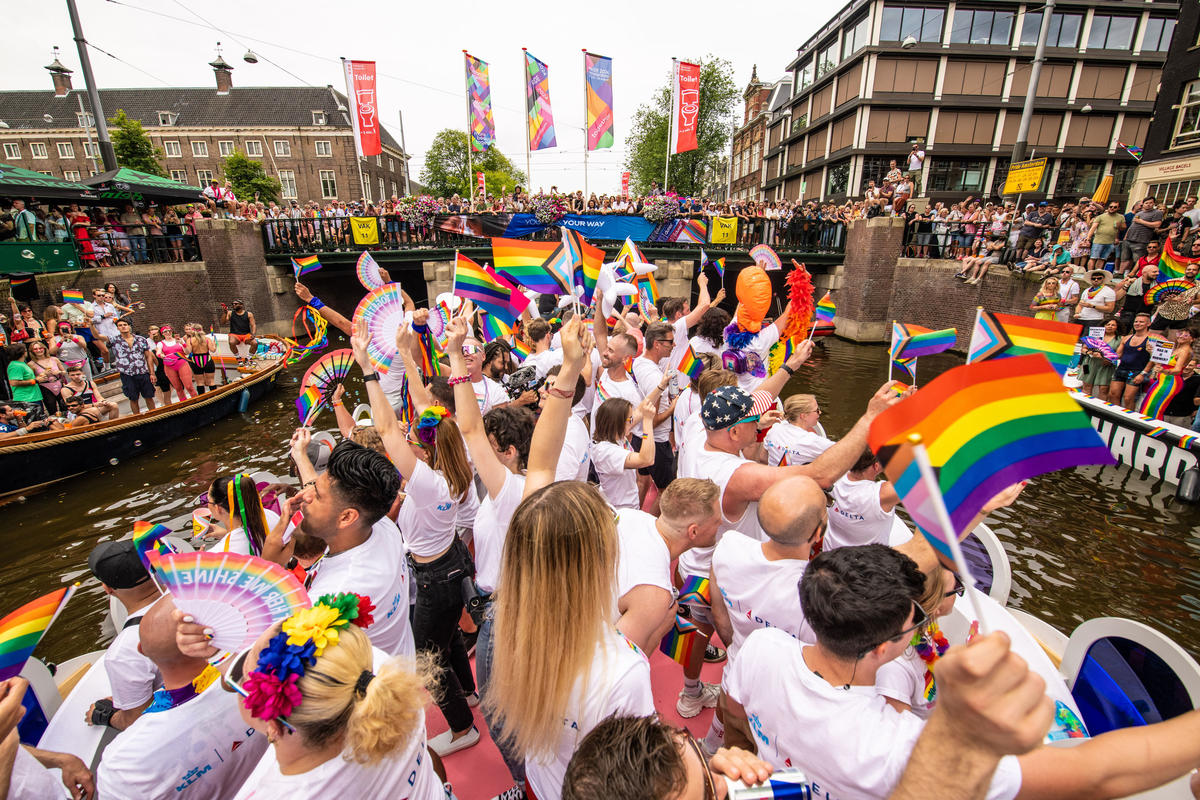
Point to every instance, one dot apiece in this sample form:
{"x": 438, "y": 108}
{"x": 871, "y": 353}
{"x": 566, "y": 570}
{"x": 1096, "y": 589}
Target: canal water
{"x": 1083, "y": 543}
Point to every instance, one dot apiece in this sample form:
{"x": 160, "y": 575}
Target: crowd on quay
{"x": 544, "y": 516}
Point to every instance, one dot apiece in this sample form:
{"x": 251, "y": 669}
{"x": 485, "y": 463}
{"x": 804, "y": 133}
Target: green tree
{"x": 446, "y": 173}
{"x": 249, "y": 178}
{"x": 133, "y": 146}
{"x": 646, "y": 145}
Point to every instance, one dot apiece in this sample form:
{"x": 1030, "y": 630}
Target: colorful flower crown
{"x": 271, "y": 689}
{"x": 428, "y": 421}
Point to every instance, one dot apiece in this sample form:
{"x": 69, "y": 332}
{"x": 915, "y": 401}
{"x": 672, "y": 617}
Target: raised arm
{"x": 703, "y": 302}
{"x": 395, "y": 438}
{"x": 345, "y": 422}
{"x": 776, "y": 382}
{"x": 551, "y": 428}
{"x": 406, "y": 342}
{"x": 466, "y": 414}
{"x": 599, "y": 326}
{"x": 644, "y": 457}
{"x": 331, "y": 316}
{"x": 784, "y": 318}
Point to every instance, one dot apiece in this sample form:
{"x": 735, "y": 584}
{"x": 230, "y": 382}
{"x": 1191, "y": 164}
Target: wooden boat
{"x": 29, "y": 463}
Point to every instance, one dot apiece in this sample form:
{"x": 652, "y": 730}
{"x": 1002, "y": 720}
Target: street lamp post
{"x": 1035, "y": 72}
{"x": 107, "y": 154}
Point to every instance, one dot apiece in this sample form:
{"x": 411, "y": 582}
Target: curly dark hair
{"x": 511, "y": 426}
{"x": 712, "y": 326}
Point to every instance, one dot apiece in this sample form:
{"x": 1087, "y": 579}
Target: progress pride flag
{"x": 685, "y": 106}
{"x": 360, "y": 78}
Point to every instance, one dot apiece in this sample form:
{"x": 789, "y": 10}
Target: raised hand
{"x": 882, "y": 400}
{"x": 456, "y": 334}
{"x": 358, "y": 343}
{"x": 302, "y": 292}
{"x": 800, "y": 354}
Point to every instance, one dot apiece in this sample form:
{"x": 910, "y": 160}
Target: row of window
{"x": 168, "y": 118}
{"x": 12, "y": 150}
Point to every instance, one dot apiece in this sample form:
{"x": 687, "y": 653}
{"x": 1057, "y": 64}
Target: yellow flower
{"x": 312, "y": 623}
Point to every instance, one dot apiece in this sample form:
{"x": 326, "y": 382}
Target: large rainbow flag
{"x": 587, "y": 269}
{"x": 1171, "y": 264}
{"x": 21, "y": 630}
{"x": 521, "y": 262}
{"x": 537, "y": 104}
{"x": 1006, "y": 336}
{"x": 914, "y": 341}
{"x": 489, "y": 291}
{"x": 986, "y": 426}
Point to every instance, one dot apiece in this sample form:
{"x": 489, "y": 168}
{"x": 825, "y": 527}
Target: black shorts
{"x": 1161, "y": 323}
{"x": 662, "y": 471}
{"x": 135, "y": 386}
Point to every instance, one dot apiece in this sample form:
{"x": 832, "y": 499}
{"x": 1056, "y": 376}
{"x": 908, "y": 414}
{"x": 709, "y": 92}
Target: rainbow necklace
{"x": 930, "y": 645}
{"x": 165, "y": 699}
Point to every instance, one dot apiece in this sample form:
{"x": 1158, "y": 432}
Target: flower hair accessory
{"x": 272, "y": 689}
{"x": 428, "y": 421}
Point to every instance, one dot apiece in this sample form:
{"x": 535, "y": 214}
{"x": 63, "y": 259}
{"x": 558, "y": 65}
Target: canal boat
{"x": 1159, "y": 450}
{"x": 32, "y": 462}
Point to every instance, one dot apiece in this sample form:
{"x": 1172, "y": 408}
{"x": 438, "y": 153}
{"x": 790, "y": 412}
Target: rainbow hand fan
{"x": 1161, "y": 291}
{"x": 238, "y": 597}
{"x": 368, "y": 272}
{"x": 329, "y": 370}
{"x": 439, "y": 316}
{"x": 383, "y": 311}
{"x": 765, "y": 257}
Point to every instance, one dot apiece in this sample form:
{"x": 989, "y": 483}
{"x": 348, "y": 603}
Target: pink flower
{"x": 267, "y": 697}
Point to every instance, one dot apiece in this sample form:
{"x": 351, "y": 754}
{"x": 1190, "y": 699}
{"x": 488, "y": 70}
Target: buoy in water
{"x": 1188, "y": 490}
{"x": 244, "y": 401}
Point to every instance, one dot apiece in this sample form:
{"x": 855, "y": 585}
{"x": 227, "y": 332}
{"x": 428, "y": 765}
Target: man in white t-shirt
{"x": 679, "y": 314}
{"x": 543, "y": 356}
{"x": 648, "y": 371}
{"x": 191, "y": 741}
{"x": 131, "y": 676}
{"x": 488, "y": 393}
{"x": 614, "y": 380}
{"x": 863, "y": 509}
{"x": 1097, "y": 301}
{"x": 916, "y": 160}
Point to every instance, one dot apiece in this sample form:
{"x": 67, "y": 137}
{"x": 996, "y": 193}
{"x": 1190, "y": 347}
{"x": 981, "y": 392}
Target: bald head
{"x": 791, "y": 510}
{"x": 157, "y": 638}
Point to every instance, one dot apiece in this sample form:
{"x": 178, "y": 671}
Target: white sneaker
{"x": 444, "y": 743}
{"x": 515, "y": 793}
{"x": 689, "y": 706}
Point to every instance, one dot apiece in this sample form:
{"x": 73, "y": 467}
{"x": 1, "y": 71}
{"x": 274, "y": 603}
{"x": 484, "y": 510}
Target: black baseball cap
{"x": 116, "y": 565}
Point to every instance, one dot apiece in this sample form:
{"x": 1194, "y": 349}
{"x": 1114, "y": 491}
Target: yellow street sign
{"x": 1025, "y": 176}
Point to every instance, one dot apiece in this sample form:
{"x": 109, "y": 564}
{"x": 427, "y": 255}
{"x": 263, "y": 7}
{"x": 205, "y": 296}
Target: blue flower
{"x": 283, "y": 659}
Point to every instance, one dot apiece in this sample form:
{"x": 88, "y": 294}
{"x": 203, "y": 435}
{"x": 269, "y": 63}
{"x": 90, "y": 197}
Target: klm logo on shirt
{"x": 395, "y": 604}
{"x": 847, "y": 514}
{"x": 444, "y": 506}
{"x": 193, "y": 775}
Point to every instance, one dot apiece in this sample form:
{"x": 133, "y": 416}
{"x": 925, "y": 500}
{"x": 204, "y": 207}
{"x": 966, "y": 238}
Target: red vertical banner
{"x": 482, "y": 185}
{"x": 625, "y": 183}
{"x": 685, "y": 107}
{"x": 360, "y": 79}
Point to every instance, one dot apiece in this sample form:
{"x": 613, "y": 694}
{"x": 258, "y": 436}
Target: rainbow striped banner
{"x": 1159, "y": 395}
{"x": 486, "y": 289}
{"x": 537, "y": 104}
{"x": 1007, "y": 336}
{"x": 1171, "y": 265}
{"x": 682, "y": 640}
{"x": 522, "y": 262}
{"x": 71, "y": 296}
{"x": 914, "y": 341}
{"x": 479, "y": 98}
{"x": 21, "y": 630}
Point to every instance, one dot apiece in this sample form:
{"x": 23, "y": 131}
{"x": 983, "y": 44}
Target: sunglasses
{"x": 920, "y": 618}
{"x": 958, "y": 589}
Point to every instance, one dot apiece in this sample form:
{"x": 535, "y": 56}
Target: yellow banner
{"x": 365, "y": 230}
{"x": 723, "y": 230}
{"x": 1025, "y": 176}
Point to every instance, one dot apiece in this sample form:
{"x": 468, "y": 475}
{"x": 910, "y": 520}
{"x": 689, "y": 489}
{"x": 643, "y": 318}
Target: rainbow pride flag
{"x": 522, "y": 262}
{"x": 1172, "y": 265}
{"x": 21, "y": 630}
{"x": 690, "y": 365}
{"x": 489, "y": 291}
{"x": 647, "y": 290}
{"x": 825, "y": 310}
{"x": 681, "y": 640}
{"x": 308, "y": 404}
{"x": 305, "y": 265}
{"x": 1008, "y": 336}
{"x": 492, "y": 328}
{"x": 695, "y": 591}
{"x": 73, "y": 296}
{"x": 905, "y": 368}
{"x": 149, "y": 538}
{"x": 914, "y": 341}
{"x": 986, "y": 426}
{"x": 520, "y": 350}
{"x": 587, "y": 270}
{"x": 1160, "y": 394}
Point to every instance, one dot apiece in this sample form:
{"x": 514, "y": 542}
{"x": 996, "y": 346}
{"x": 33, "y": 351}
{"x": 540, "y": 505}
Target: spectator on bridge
{"x": 1143, "y": 229}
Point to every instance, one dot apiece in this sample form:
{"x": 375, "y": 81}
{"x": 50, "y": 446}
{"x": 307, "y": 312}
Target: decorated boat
{"x": 1160, "y": 450}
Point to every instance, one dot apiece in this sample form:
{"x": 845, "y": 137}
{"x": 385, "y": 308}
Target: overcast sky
{"x": 418, "y": 50}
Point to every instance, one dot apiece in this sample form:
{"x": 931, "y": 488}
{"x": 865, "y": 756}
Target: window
{"x": 923, "y": 24}
{"x": 254, "y": 148}
{"x": 827, "y": 60}
{"x": 957, "y": 174}
{"x": 287, "y": 183}
{"x": 1064, "y": 30}
{"x": 85, "y": 120}
{"x": 1123, "y": 178}
{"x": 856, "y": 37}
{"x": 179, "y": 175}
{"x": 45, "y": 172}
{"x": 1187, "y": 123}
{"x": 379, "y": 160}
{"x": 71, "y": 174}
{"x": 1157, "y": 38}
{"x": 318, "y": 117}
{"x": 91, "y": 150}
{"x": 874, "y": 168}
{"x": 395, "y": 192}
{"x": 837, "y": 177}
{"x": 283, "y": 148}
{"x": 799, "y": 122}
{"x": 203, "y": 176}
{"x": 66, "y": 150}
{"x": 906, "y": 75}
{"x": 200, "y": 149}
{"x": 1077, "y": 178}
{"x": 166, "y": 118}
{"x": 225, "y": 148}
{"x": 806, "y": 76}
{"x": 36, "y": 150}
{"x": 382, "y": 191}
{"x": 976, "y": 26}
{"x": 1111, "y": 33}
{"x": 328, "y": 184}
{"x": 999, "y": 176}
{"x": 172, "y": 149}
{"x": 1168, "y": 193}
{"x": 391, "y": 164}
{"x": 324, "y": 149}
{"x": 12, "y": 151}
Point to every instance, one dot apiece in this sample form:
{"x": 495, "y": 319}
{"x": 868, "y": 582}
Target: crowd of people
{"x": 555, "y": 517}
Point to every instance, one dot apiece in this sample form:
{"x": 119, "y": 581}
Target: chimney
{"x": 61, "y": 76}
{"x": 224, "y": 74}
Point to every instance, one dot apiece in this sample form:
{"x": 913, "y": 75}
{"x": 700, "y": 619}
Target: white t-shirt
{"x": 648, "y": 375}
{"x": 758, "y": 593}
{"x": 575, "y": 456}
{"x": 1103, "y": 296}
{"x": 204, "y": 749}
{"x": 31, "y": 781}
{"x": 680, "y": 347}
{"x": 801, "y": 446}
{"x": 626, "y": 389}
{"x": 719, "y": 467}
{"x": 760, "y": 346}
{"x": 429, "y": 512}
{"x": 903, "y": 679}
{"x": 644, "y": 556}
{"x": 617, "y": 484}
{"x": 588, "y": 401}
{"x": 131, "y": 676}
{"x": 1068, "y": 291}
{"x": 377, "y": 569}
{"x": 491, "y": 526}
{"x": 686, "y": 404}
{"x": 489, "y": 394}
{"x": 619, "y": 683}
{"x": 914, "y": 160}
{"x": 406, "y": 774}
{"x": 849, "y": 742}
{"x": 544, "y": 361}
{"x": 690, "y": 440}
{"x": 106, "y": 315}
{"x": 236, "y": 540}
{"x": 856, "y": 516}
{"x": 700, "y": 345}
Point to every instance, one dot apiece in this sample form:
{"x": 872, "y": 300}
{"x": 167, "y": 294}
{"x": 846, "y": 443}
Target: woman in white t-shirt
{"x": 615, "y": 462}
{"x": 237, "y": 508}
{"x": 342, "y": 728}
{"x": 798, "y": 437}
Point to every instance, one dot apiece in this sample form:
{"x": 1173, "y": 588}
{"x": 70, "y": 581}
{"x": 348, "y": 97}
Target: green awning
{"x": 16, "y": 182}
{"x": 140, "y": 187}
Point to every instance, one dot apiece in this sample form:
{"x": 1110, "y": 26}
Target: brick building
{"x": 747, "y": 148}
{"x": 952, "y": 76}
{"x": 301, "y": 134}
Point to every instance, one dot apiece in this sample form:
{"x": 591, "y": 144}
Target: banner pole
{"x": 470, "y": 168}
{"x": 586, "y": 132}
{"x": 525, "y": 76}
{"x": 670, "y": 123}
{"x": 353, "y": 101}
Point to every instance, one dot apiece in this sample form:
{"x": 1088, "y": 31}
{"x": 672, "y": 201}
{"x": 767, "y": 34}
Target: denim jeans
{"x": 137, "y": 249}
{"x": 483, "y": 669}
{"x": 435, "y": 629}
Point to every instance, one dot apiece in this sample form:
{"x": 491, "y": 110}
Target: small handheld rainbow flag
{"x": 681, "y": 641}
{"x": 695, "y": 591}
{"x": 488, "y": 290}
{"x": 690, "y": 365}
{"x": 1160, "y": 394}
{"x": 647, "y": 290}
{"x": 493, "y": 328}
{"x": 914, "y": 341}
{"x": 520, "y": 350}
{"x": 718, "y": 265}
{"x": 906, "y": 367}
{"x": 305, "y": 265}
{"x": 21, "y": 630}
{"x": 147, "y": 538}
{"x": 308, "y": 404}
{"x": 826, "y": 309}
{"x": 1132, "y": 149}
{"x": 73, "y": 296}
{"x": 1008, "y": 336}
